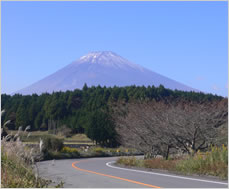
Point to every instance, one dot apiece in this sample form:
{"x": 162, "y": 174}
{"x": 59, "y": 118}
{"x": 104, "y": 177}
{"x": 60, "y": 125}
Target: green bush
{"x": 60, "y": 155}
{"x": 98, "y": 151}
{"x": 52, "y": 143}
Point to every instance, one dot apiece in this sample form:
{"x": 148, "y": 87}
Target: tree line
{"x": 88, "y": 111}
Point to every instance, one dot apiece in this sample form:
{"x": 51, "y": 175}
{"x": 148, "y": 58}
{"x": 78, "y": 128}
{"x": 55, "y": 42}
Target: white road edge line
{"x": 180, "y": 177}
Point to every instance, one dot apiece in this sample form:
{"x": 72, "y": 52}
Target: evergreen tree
{"x": 21, "y": 116}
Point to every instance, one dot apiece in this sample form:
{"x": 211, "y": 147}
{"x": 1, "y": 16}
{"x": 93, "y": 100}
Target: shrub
{"x": 64, "y": 131}
{"x": 52, "y": 143}
{"x": 67, "y": 149}
{"x": 61, "y": 155}
{"x": 98, "y": 151}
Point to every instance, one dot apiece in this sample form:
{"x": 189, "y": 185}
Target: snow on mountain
{"x": 102, "y": 68}
{"x": 108, "y": 58}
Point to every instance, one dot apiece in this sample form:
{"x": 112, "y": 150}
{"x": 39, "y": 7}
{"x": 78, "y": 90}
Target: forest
{"x": 95, "y": 111}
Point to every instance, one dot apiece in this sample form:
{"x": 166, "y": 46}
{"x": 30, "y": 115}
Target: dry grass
{"x": 130, "y": 161}
{"x": 18, "y": 166}
{"x": 18, "y": 161}
{"x": 159, "y": 163}
{"x": 214, "y": 162}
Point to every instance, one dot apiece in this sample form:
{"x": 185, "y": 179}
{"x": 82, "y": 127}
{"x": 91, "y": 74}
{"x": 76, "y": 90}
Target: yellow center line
{"x": 111, "y": 176}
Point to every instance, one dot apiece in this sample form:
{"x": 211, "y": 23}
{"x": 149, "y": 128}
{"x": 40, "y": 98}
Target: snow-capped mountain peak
{"x": 104, "y": 68}
{"x": 108, "y": 58}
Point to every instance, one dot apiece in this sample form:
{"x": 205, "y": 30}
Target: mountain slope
{"x": 101, "y": 68}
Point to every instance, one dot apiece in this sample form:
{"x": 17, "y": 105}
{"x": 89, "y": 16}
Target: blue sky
{"x": 185, "y": 41}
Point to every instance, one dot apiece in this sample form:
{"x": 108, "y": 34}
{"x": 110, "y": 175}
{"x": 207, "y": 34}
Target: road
{"x": 102, "y": 173}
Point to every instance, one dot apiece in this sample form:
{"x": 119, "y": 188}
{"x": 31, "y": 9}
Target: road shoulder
{"x": 173, "y": 173}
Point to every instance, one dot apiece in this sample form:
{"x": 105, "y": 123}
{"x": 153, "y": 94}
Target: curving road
{"x": 102, "y": 173}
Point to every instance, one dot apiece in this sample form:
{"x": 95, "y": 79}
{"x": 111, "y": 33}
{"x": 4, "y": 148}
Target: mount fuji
{"x": 104, "y": 68}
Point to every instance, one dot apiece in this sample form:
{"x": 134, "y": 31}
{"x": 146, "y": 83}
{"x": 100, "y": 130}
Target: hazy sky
{"x": 185, "y": 41}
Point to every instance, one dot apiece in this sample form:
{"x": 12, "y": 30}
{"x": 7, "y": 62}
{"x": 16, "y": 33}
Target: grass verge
{"x": 214, "y": 163}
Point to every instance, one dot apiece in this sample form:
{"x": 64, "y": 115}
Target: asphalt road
{"x": 102, "y": 173}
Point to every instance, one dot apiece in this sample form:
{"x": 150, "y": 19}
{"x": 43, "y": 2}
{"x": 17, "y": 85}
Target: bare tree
{"x": 156, "y": 127}
{"x": 194, "y": 125}
{"x": 64, "y": 130}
